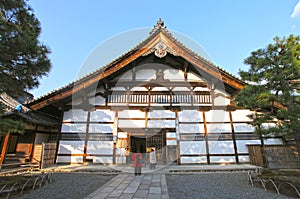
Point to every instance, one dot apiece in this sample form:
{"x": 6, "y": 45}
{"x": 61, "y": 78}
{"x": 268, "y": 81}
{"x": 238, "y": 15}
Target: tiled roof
{"x": 159, "y": 27}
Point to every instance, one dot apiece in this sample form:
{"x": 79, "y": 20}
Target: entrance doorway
{"x": 137, "y": 144}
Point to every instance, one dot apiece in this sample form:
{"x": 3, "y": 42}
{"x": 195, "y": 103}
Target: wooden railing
{"x": 159, "y": 98}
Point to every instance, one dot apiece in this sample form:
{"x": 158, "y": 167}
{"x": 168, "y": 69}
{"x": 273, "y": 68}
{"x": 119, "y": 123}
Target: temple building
{"x": 161, "y": 95}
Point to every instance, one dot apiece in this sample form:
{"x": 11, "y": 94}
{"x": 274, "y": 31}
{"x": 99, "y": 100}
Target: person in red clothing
{"x": 137, "y": 163}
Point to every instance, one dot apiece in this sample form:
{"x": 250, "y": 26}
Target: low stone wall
{"x": 274, "y": 156}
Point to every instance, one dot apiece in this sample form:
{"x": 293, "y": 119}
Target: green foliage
{"x": 23, "y": 59}
{"x": 271, "y": 89}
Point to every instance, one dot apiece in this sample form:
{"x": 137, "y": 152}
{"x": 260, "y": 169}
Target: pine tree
{"x": 23, "y": 58}
{"x": 273, "y": 89}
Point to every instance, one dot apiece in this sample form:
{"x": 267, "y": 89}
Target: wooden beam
{"x": 4, "y": 148}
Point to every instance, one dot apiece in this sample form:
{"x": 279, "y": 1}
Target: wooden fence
{"x": 274, "y": 156}
{"x": 44, "y": 154}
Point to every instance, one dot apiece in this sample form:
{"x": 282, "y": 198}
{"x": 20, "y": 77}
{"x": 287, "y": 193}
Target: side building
{"x": 158, "y": 95}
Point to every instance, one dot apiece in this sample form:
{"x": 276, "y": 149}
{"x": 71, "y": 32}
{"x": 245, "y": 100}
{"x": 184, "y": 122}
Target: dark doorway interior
{"x": 137, "y": 144}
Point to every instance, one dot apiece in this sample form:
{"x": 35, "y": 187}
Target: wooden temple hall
{"x": 160, "y": 95}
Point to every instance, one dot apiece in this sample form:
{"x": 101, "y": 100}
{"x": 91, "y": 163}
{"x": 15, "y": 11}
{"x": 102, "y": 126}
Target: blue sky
{"x": 228, "y": 30}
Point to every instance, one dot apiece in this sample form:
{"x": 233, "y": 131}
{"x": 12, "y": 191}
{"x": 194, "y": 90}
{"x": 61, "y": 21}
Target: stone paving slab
{"x": 134, "y": 187}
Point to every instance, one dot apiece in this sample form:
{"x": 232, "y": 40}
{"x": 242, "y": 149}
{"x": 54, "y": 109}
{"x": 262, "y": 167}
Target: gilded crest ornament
{"x": 160, "y": 50}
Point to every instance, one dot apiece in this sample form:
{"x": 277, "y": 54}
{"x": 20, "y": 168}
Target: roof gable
{"x": 160, "y": 42}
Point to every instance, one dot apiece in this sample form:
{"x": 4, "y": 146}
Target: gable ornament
{"x": 161, "y": 50}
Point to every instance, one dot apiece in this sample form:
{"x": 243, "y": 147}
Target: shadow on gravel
{"x": 214, "y": 185}
{"x": 70, "y": 185}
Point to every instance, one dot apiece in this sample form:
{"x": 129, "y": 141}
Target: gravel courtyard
{"x": 69, "y": 186}
{"x": 215, "y": 185}
{"x": 180, "y": 186}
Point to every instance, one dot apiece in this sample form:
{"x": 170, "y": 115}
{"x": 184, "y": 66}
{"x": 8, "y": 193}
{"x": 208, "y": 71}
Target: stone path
{"x": 150, "y": 185}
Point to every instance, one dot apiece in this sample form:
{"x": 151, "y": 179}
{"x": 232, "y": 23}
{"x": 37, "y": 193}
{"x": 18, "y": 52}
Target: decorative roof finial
{"x": 159, "y": 25}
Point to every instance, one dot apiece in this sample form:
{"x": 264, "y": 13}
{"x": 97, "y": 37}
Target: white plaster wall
{"x": 244, "y": 158}
{"x": 191, "y": 128}
{"x": 219, "y": 128}
{"x": 70, "y": 147}
{"x": 108, "y": 160}
{"x": 75, "y": 115}
{"x": 161, "y": 114}
{"x": 100, "y": 147}
{"x": 132, "y": 123}
{"x": 242, "y": 127}
{"x": 241, "y": 115}
{"x": 97, "y": 101}
{"x": 190, "y": 160}
{"x": 101, "y": 128}
{"x": 161, "y": 123}
{"x": 221, "y": 147}
{"x": 222, "y": 159}
{"x": 145, "y": 74}
{"x": 102, "y": 116}
{"x": 242, "y": 145}
{"x": 217, "y": 116}
{"x": 190, "y": 116}
{"x": 192, "y": 147}
{"x": 69, "y": 159}
{"x": 174, "y": 75}
{"x": 73, "y": 128}
{"x": 131, "y": 114}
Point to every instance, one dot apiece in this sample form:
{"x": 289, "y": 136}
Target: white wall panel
{"x": 69, "y": 159}
{"x": 100, "y": 147}
{"x": 75, "y": 115}
{"x": 221, "y": 127}
{"x": 70, "y": 147}
{"x": 241, "y": 115}
{"x": 101, "y": 128}
{"x": 145, "y": 74}
{"x": 161, "y": 123}
{"x": 270, "y": 141}
{"x": 131, "y": 123}
{"x": 222, "y": 159}
{"x": 71, "y": 128}
{"x": 217, "y": 116}
{"x": 221, "y": 147}
{"x": 131, "y": 114}
{"x": 191, "y": 128}
{"x": 97, "y": 101}
{"x": 242, "y": 145}
{"x": 102, "y": 116}
{"x": 108, "y": 160}
{"x": 189, "y": 160}
{"x": 242, "y": 127}
{"x": 192, "y": 147}
{"x": 161, "y": 114}
{"x": 244, "y": 158}
{"x": 174, "y": 75}
{"x": 190, "y": 116}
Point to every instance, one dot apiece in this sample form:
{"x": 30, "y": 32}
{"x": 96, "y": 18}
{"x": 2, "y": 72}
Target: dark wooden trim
{"x": 206, "y": 138}
{"x": 233, "y": 138}
{"x": 4, "y": 148}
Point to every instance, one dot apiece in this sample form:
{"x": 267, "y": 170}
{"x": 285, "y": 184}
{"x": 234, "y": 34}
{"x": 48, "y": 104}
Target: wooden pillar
{"x": 206, "y": 139}
{"x": 233, "y": 139}
{"x": 4, "y": 148}
{"x": 115, "y": 137}
{"x": 86, "y": 137}
{"x": 178, "y": 138}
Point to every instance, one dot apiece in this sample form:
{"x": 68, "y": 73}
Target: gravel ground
{"x": 69, "y": 185}
{"x": 180, "y": 186}
{"x": 214, "y": 185}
